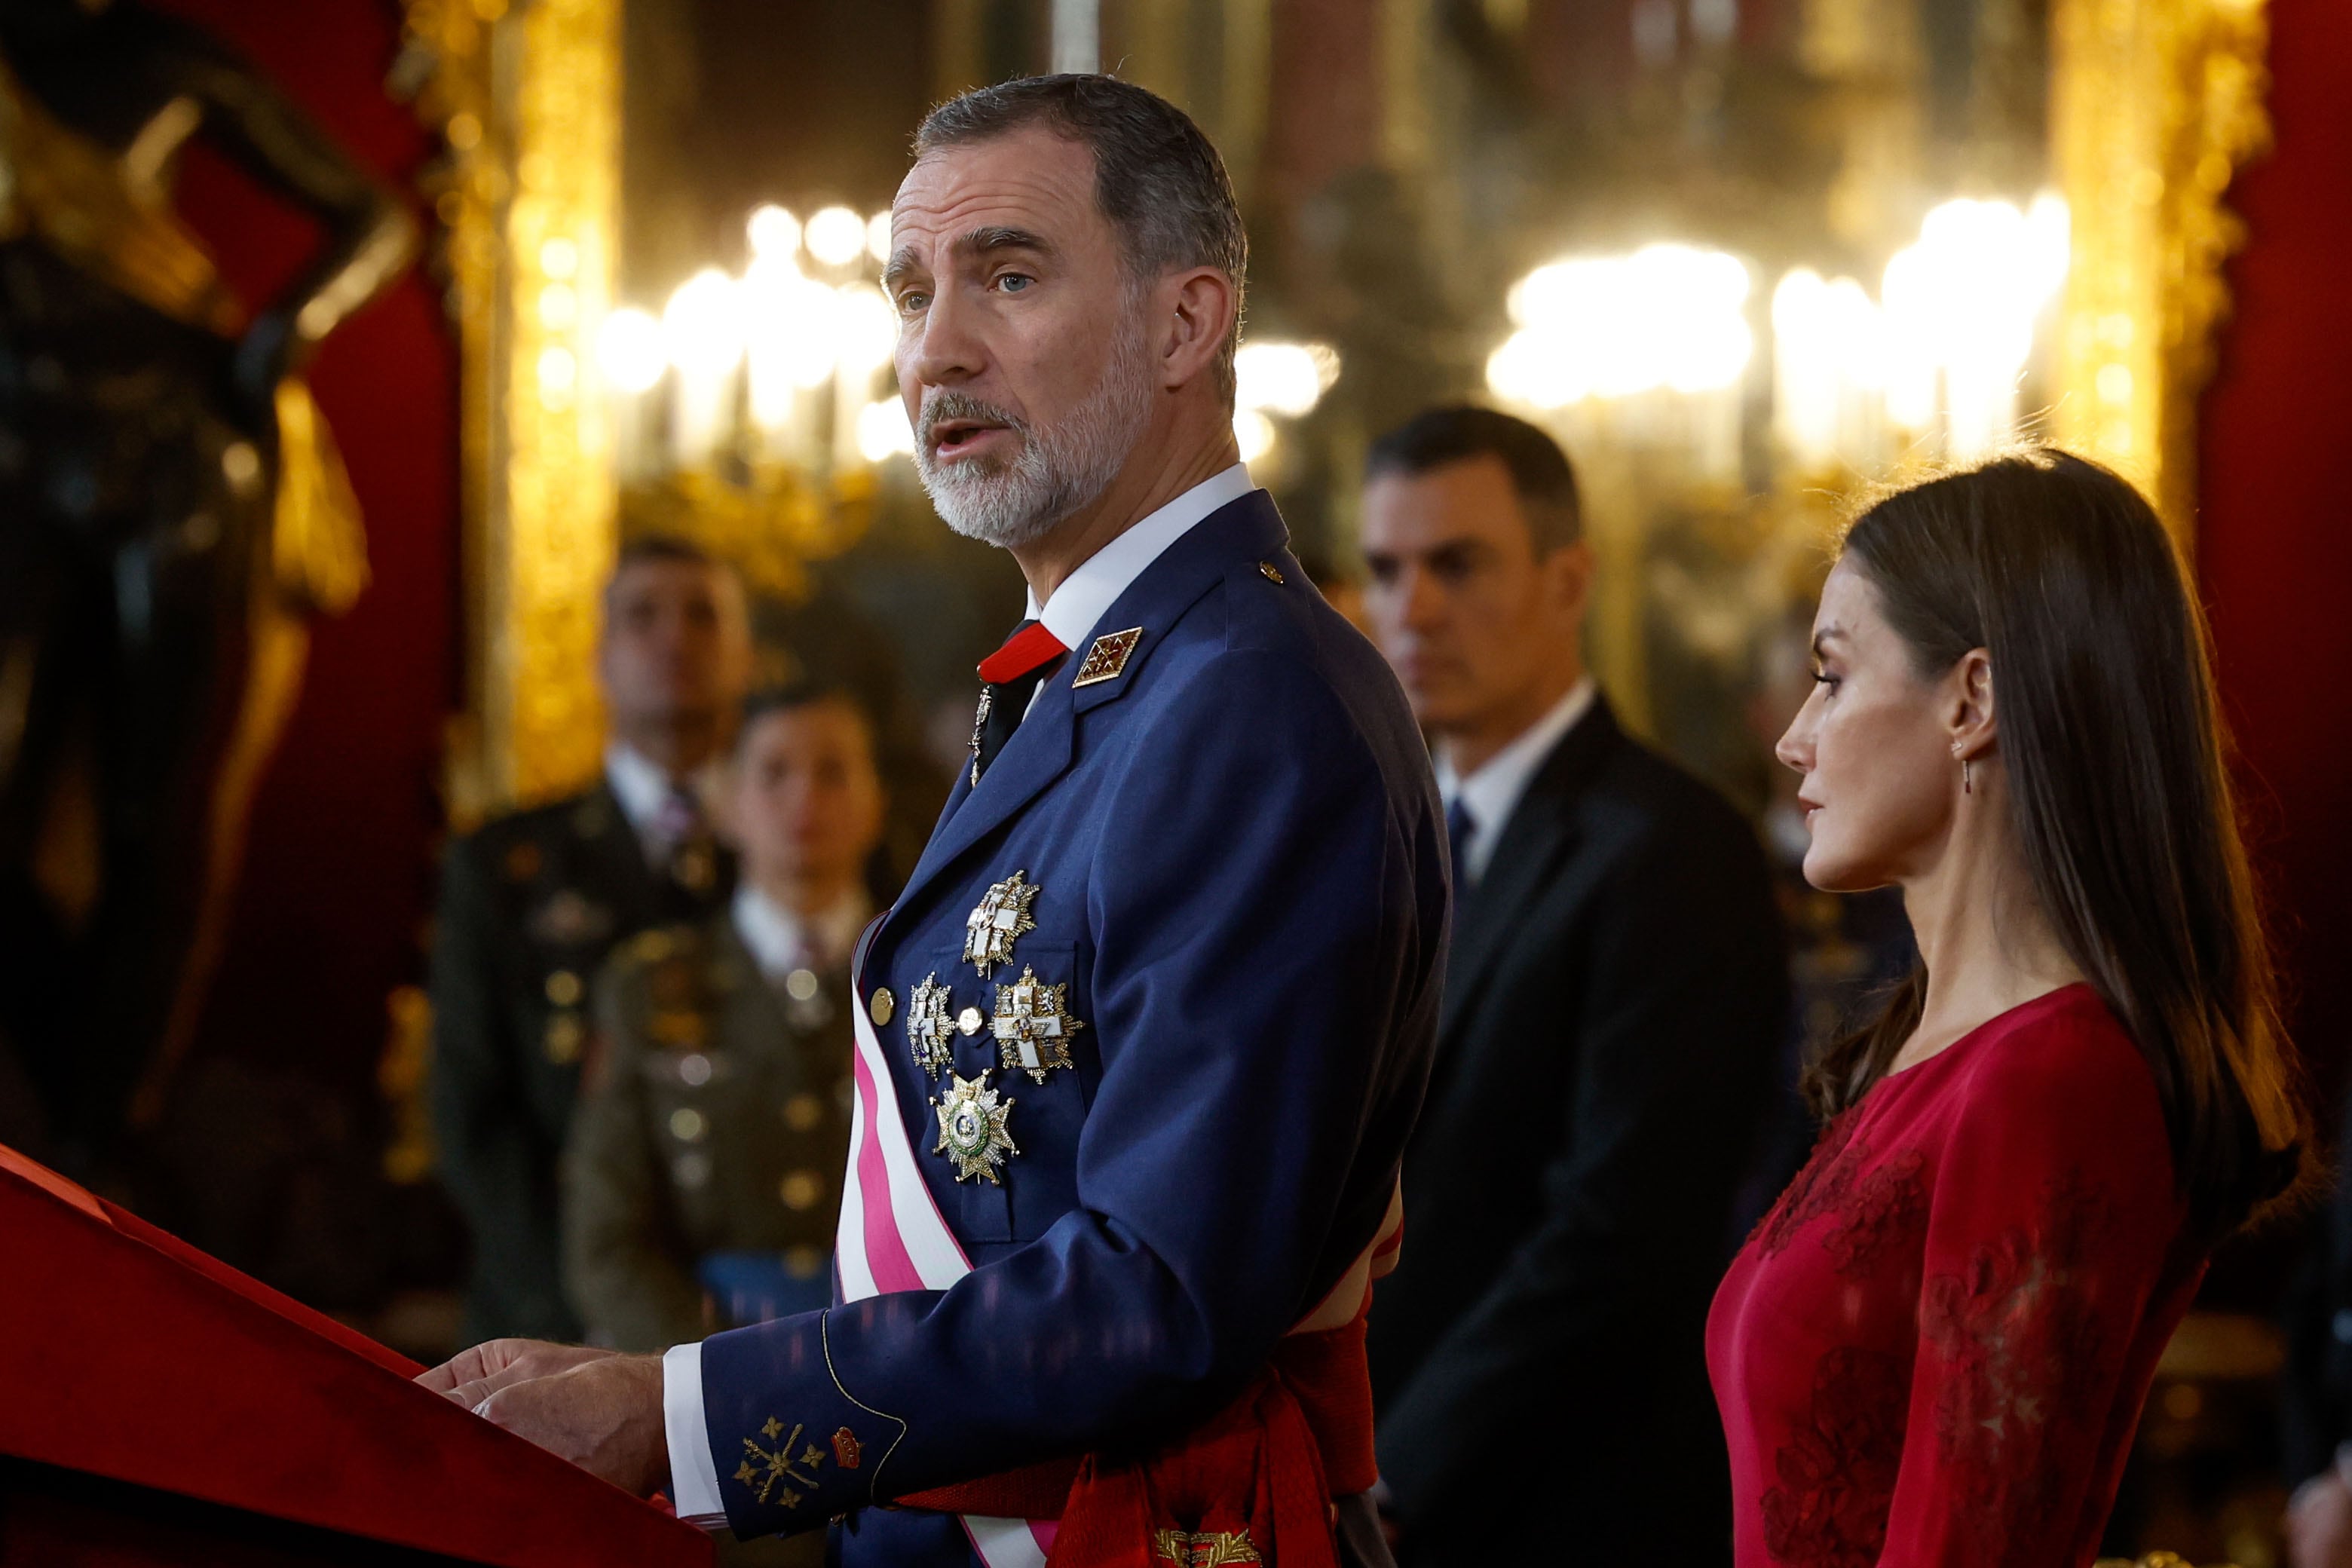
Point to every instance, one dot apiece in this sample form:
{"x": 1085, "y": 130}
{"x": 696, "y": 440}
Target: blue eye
{"x": 912, "y": 301}
{"x": 1014, "y": 282}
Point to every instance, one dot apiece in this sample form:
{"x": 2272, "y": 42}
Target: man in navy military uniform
{"x": 532, "y": 902}
{"x": 1143, "y": 1037}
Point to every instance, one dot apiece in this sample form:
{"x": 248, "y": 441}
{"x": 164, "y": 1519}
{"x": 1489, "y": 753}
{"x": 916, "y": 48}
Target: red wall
{"x": 2274, "y": 540}
{"x": 339, "y": 873}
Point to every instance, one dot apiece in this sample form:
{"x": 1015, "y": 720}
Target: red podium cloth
{"x": 126, "y": 1355}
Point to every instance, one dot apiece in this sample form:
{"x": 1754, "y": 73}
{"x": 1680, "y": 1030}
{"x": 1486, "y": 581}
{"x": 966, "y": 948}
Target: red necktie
{"x": 1009, "y": 678}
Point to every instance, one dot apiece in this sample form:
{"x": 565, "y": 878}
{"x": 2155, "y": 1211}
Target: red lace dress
{"x": 1934, "y": 1350}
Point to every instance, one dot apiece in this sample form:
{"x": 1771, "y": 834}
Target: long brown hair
{"x": 2113, "y": 745}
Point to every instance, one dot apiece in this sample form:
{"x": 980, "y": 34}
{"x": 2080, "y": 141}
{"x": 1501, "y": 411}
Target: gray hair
{"x": 1158, "y": 178}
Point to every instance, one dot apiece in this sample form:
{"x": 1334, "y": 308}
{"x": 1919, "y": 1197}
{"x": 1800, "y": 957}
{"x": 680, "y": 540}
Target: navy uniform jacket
{"x": 1240, "y": 859}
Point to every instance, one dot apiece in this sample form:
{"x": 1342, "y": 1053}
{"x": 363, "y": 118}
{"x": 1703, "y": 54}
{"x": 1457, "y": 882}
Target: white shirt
{"x": 1492, "y": 792}
{"x": 781, "y": 941}
{"x": 1071, "y": 614}
{"x": 641, "y": 787}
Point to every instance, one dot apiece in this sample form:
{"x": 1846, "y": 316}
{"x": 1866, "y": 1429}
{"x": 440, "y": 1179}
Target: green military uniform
{"x": 716, "y": 1121}
{"x": 530, "y": 905}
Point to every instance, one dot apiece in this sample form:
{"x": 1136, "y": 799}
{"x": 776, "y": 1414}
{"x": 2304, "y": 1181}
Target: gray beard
{"x": 1058, "y": 470}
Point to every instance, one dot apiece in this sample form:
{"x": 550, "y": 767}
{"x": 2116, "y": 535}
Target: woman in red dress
{"x": 1935, "y": 1349}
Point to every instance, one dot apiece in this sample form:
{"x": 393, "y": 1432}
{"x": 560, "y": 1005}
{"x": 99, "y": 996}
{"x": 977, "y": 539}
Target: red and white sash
{"x": 893, "y": 1237}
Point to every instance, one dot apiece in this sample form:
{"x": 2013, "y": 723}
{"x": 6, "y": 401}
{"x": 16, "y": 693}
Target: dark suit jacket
{"x": 1614, "y": 993}
{"x": 529, "y": 906}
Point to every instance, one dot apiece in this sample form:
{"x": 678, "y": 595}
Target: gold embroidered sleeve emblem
{"x": 1032, "y": 1026}
{"x": 778, "y": 1470}
{"x": 1001, "y": 919}
{"x": 971, "y": 1127}
{"x": 931, "y": 1026}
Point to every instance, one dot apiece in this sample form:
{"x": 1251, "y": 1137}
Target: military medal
{"x": 1002, "y": 918}
{"x": 971, "y": 1127}
{"x": 929, "y": 1029}
{"x": 1032, "y": 1029}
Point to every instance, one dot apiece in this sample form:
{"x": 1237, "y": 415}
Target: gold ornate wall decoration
{"x": 528, "y": 97}
{"x": 2154, "y": 104}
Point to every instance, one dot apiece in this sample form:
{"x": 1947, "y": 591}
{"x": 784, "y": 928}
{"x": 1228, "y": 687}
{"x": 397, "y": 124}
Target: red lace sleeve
{"x": 2051, "y": 1220}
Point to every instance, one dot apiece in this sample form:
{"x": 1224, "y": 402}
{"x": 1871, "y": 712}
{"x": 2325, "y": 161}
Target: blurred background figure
{"x": 703, "y": 1179}
{"x": 170, "y": 505}
{"x": 531, "y": 903}
{"x": 1615, "y": 993}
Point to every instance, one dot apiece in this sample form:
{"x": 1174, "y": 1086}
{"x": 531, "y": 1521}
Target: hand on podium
{"x": 600, "y": 1409}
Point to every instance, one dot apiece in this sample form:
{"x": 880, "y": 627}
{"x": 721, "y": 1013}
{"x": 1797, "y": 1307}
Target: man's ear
{"x": 1568, "y": 578}
{"x": 1198, "y": 320}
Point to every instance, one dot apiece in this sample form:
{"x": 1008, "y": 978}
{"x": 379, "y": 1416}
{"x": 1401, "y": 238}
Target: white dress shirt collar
{"x": 1088, "y": 591}
{"x": 641, "y": 785}
{"x": 781, "y": 941}
{"x": 1492, "y": 792}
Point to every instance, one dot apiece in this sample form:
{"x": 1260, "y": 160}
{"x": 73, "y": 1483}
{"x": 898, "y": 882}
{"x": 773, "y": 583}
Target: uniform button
{"x": 805, "y": 1262}
{"x": 687, "y": 1125}
{"x": 694, "y": 1069}
{"x": 800, "y": 1190}
{"x": 969, "y": 1020}
{"x": 565, "y": 1032}
{"x": 563, "y": 988}
{"x": 803, "y": 1112}
{"x": 883, "y": 1004}
{"x": 690, "y": 1169}
{"x": 801, "y": 986}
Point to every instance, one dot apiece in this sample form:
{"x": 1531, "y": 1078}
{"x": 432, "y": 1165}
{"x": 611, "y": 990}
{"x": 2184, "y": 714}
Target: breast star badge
{"x": 1001, "y": 919}
{"x": 931, "y": 1028}
{"x": 1033, "y": 1028}
{"x": 971, "y": 1127}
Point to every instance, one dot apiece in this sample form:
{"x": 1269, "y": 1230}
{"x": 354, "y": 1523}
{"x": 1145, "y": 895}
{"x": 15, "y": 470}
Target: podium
{"x": 158, "y": 1407}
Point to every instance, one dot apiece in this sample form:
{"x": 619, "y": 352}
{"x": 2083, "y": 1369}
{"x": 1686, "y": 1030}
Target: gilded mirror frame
{"x": 2155, "y": 105}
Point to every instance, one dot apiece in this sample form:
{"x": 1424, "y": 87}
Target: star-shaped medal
{"x": 971, "y": 1127}
{"x": 1002, "y": 918}
{"x": 1033, "y": 1028}
{"x": 931, "y": 1028}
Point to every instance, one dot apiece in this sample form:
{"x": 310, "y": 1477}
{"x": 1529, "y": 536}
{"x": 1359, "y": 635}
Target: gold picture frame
{"x": 2155, "y": 105}
{"x": 528, "y": 98}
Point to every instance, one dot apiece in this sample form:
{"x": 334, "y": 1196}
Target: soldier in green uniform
{"x": 702, "y": 1185}
{"x": 532, "y": 902}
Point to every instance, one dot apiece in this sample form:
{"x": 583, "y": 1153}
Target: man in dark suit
{"x": 531, "y": 903}
{"x": 1615, "y": 991}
